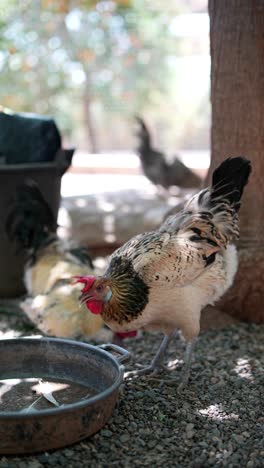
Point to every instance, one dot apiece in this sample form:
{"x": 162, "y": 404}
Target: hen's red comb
{"x": 88, "y": 281}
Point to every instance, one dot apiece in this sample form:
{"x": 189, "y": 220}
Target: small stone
{"x": 238, "y": 438}
{"x": 132, "y": 426}
{"x": 70, "y": 453}
{"x": 151, "y": 444}
{"x": 43, "y": 458}
{"x": 203, "y": 444}
{"x": 106, "y": 433}
{"x": 141, "y": 442}
{"x": 150, "y": 394}
{"x": 189, "y": 434}
{"x": 4, "y": 464}
{"x": 53, "y": 461}
{"x": 189, "y": 427}
{"x": 34, "y": 464}
{"x": 160, "y": 448}
{"x": 216, "y": 440}
{"x": 199, "y": 463}
{"x": 124, "y": 438}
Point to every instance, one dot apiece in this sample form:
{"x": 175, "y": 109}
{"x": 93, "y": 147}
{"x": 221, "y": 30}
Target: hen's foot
{"x": 184, "y": 382}
{"x": 156, "y": 364}
{"x": 151, "y": 369}
{"x": 186, "y": 369}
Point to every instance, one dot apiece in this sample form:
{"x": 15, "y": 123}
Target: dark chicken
{"x": 51, "y": 263}
{"x": 156, "y": 167}
{"x": 161, "y": 280}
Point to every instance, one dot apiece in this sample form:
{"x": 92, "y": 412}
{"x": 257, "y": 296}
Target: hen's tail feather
{"x": 31, "y": 221}
{"x": 229, "y": 180}
{"x": 215, "y": 209}
{"x": 144, "y": 135}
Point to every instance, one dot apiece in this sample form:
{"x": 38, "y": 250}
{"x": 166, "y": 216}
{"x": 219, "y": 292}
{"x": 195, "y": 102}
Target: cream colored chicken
{"x": 52, "y": 302}
{"x": 161, "y": 280}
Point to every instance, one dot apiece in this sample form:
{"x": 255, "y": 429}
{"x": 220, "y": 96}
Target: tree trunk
{"x": 88, "y": 121}
{"x": 237, "y": 94}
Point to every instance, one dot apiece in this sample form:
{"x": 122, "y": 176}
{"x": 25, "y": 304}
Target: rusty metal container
{"x": 76, "y": 363}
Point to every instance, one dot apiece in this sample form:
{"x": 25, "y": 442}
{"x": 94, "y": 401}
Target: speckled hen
{"x": 161, "y": 280}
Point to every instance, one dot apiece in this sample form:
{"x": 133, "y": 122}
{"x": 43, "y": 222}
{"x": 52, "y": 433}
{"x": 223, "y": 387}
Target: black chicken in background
{"x": 158, "y": 169}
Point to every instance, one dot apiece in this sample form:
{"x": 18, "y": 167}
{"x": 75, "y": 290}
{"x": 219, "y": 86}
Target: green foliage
{"x": 58, "y": 56}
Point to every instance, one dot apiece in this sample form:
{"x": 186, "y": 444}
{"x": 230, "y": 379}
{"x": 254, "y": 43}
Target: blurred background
{"x": 92, "y": 66}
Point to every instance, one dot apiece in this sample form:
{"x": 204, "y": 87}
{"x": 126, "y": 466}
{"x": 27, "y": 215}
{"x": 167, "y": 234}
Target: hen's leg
{"x": 187, "y": 363}
{"x": 156, "y": 361}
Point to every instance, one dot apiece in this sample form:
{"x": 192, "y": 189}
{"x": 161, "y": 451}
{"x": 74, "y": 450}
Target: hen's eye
{"x": 99, "y": 288}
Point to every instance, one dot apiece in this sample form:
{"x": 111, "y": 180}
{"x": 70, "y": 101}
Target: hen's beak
{"x": 87, "y": 281}
{"x": 85, "y": 297}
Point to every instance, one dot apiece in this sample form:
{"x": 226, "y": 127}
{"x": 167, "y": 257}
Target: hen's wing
{"x": 174, "y": 257}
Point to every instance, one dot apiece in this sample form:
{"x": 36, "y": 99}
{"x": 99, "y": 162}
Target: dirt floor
{"x": 217, "y": 420}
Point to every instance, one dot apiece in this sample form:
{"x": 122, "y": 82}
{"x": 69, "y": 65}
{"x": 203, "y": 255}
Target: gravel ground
{"x": 218, "y": 420}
